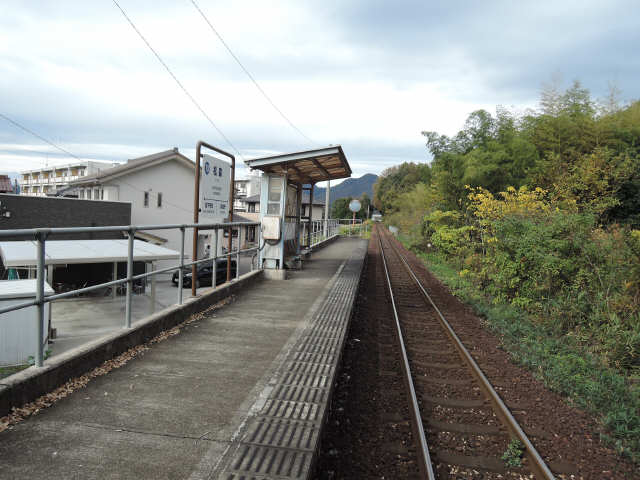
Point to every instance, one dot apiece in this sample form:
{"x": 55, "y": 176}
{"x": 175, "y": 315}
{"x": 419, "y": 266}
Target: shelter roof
{"x": 310, "y": 166}
{"x": 62, "y": 252}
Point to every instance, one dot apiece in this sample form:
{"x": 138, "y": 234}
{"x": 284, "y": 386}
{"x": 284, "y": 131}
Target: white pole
{"x": 327, "y": 195}
{"x": 114, "y": 288}
{"x": 152, "y": 308}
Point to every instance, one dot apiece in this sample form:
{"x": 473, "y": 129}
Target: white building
{"x": 160, "y": 188}
{"x": 251, "y": 204}
{"x": 245, "y": 188}
{"x": 50, "y": 180}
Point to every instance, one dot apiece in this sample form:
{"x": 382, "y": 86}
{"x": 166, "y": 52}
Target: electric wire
{"x": 186, "y": 92}
{"x": 67, "y": 152}
{"x": 22, "y": 127}
{"x": 255, "y": 82}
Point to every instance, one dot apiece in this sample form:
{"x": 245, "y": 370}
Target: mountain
{"x": 351, "y": 187}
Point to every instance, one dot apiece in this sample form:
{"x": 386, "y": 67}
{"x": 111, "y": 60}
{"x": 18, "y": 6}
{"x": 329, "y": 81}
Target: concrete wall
{"x": 48, "y": 212}
{"x": 27, "y": 385}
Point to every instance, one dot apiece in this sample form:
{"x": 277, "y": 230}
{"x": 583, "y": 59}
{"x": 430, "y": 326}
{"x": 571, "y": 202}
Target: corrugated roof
{"x": 58, "y": 252}
{"x": 133, "y": 164}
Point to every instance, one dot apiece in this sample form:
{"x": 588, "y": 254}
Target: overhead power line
{"x": 31, "y": 132}
{"x": 67, "y": 152}
{"x": 193, "y": 100}
{"x": 255, "y": 82}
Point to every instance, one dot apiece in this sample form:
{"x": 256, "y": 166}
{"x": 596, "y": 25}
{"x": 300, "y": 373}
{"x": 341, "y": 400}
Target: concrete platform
{"x": 81, "y": 320}
{"x": 192, "y": 405}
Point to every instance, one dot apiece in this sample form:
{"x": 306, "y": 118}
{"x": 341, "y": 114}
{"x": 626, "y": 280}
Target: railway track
{"x": 460, "y": 425}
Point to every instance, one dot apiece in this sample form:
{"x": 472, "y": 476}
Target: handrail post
{"x": 214, "y": 279}
{"x": 181, "y": 270}
{"x": 238, "y": 253}
{"x": 39, "y": 357}
{"x": 127, "y": 320}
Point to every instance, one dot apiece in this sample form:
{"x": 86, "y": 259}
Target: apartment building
{"x": 51, "y": 180}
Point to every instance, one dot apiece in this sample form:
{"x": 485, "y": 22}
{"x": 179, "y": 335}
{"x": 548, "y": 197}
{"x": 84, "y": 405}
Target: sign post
{"x": 354, "y": 206}
{"x": 210, "y": 201}
{"x": 214, "y": 188}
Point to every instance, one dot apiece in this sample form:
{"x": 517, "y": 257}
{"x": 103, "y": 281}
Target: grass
{"x": 8, "y": 371}
{"x": 512, "y": 456}
{"x": 563, "y": 365}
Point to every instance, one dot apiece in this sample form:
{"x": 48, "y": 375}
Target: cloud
{"x": 370, "y": 75}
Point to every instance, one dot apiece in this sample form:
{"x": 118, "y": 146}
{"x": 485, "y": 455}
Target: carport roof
{"x": 62, "y": 252}
{"x": 310, "y": 166}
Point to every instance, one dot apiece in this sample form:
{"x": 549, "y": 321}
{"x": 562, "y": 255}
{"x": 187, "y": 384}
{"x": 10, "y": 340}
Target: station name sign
{"x": 214, "y": 188}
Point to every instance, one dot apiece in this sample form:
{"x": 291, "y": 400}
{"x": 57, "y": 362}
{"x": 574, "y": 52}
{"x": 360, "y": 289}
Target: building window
{"x": 88, "y": 194}
{"x": 159, "y": 199}
{"x": 81, "y": 194}
{"x": 102, "y": 194}
{"x": 146, "y": 199}
{"x": 274, "y": 196}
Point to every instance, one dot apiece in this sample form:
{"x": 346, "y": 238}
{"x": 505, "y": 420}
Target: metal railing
{"x": 351, "y": 228}
{"x": 41, "y": 235}
{"x": 322, "y": 230}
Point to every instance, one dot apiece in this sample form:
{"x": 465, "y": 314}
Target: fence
{"x": 41, "y": 234}
{"x": 324, "y": 229}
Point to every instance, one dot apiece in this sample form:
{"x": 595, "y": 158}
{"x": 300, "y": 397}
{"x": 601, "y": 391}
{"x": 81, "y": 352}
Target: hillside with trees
{"x": 349, "y": 188}
{"x": 534, "y": 219}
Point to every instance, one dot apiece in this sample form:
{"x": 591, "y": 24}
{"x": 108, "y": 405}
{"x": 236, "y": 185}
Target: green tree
{"x": 364, "y": 212}
{"x": 340, "y": 208}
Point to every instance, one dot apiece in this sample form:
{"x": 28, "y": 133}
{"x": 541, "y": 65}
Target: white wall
{"x": 317, "y": 212}
{"x": 176, "y": 183}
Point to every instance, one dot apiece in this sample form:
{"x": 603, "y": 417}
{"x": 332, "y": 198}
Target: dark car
{"x": 204, "y": 274}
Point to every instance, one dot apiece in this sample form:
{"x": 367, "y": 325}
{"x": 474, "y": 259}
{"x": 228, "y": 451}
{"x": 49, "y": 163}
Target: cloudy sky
{"x": 369, "y": 75}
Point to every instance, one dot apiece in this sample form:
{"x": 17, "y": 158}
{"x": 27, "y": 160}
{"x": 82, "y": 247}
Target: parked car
{"x": 204, "y": 274}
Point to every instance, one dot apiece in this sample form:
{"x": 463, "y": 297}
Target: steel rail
{"x": 537, "y": 465}
{"x": 424, "y": 459}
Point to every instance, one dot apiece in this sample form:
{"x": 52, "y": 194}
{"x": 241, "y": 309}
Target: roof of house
{"x": 252, "y": 199}
{"x": 133, "y": 165}
{"x": 246, "y": 217}
{"x": 5, "y": 184}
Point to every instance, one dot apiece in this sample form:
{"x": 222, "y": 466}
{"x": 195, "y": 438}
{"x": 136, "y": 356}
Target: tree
{"x": 395, "y": 180}
{"x": 365, "y": 201}
{"x": 340, "y": 208}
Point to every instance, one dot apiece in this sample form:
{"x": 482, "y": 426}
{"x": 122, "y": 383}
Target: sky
{"x": 369, "y": 75}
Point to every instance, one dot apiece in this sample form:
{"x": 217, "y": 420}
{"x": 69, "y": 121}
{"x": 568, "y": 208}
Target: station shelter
{"x": 284, "y": 179}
